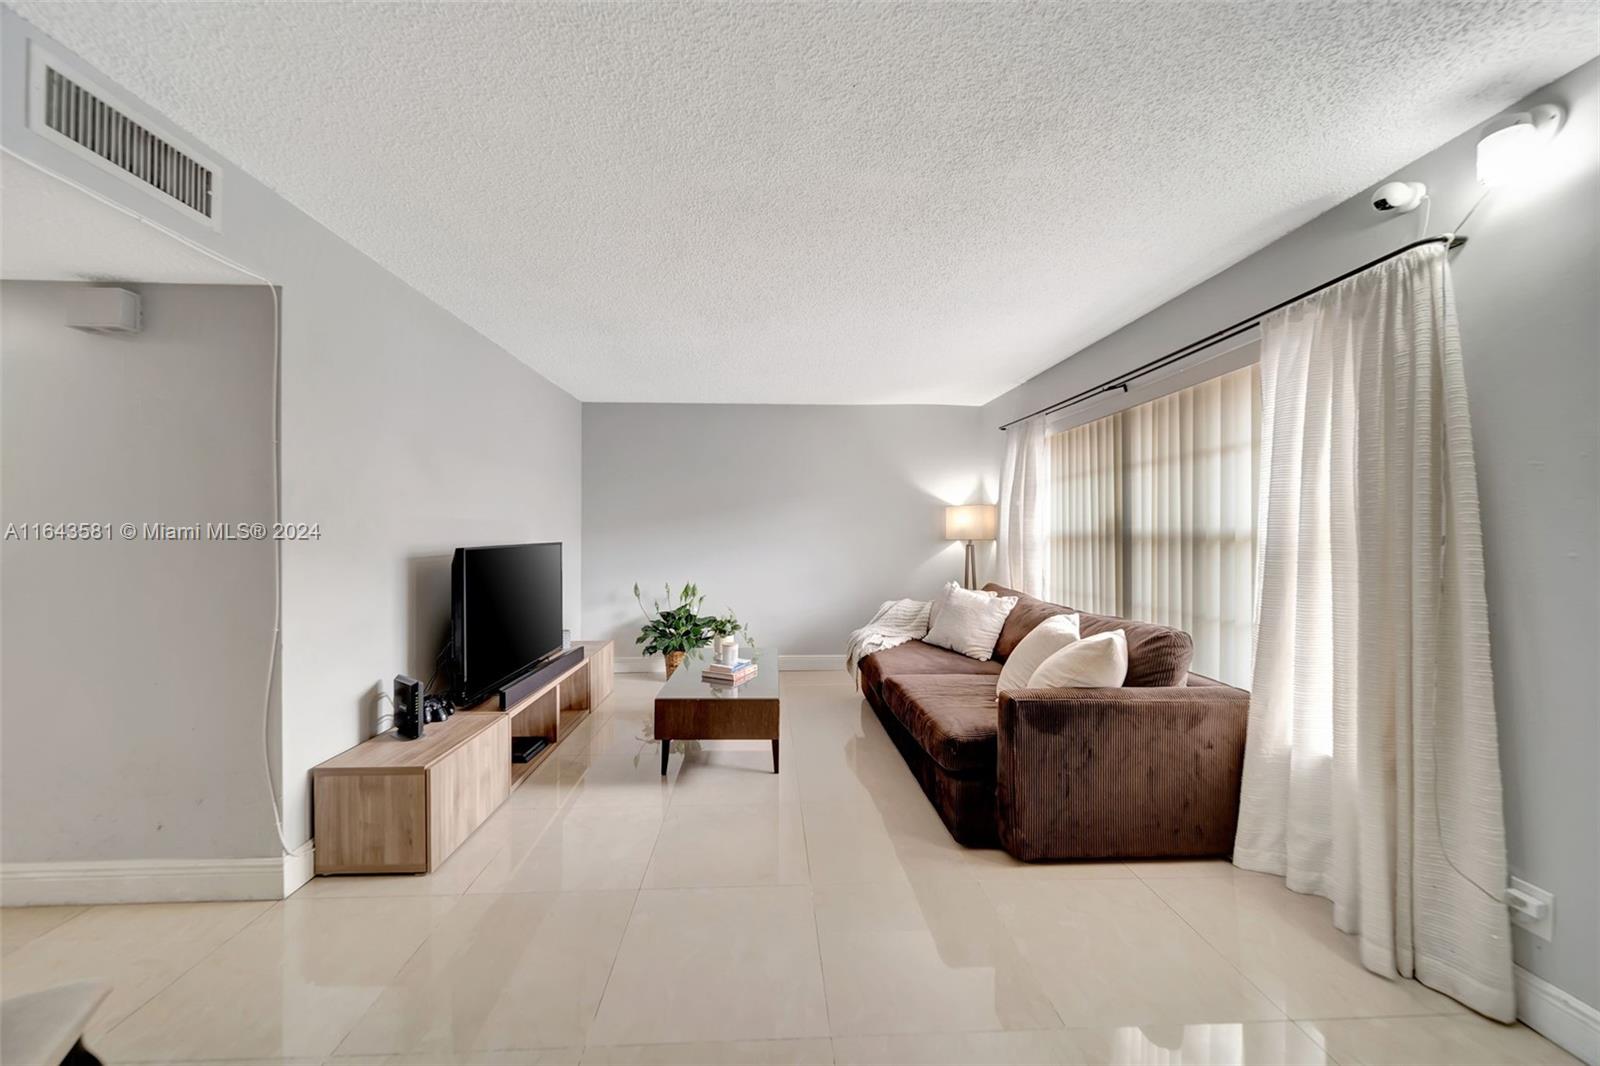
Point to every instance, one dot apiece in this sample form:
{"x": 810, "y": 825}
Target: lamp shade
{"x": 973, "y": 521}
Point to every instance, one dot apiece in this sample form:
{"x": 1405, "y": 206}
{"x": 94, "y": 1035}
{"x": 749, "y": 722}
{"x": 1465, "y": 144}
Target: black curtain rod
{"x": 1123, "y": 380}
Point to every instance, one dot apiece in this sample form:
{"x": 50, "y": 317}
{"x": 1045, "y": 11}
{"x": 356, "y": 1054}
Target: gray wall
{"x": 802, "y": 519}
{"x": 1527, "y": 285}
{"x": 404, "y": 434}
{"x": 131, "y": 700}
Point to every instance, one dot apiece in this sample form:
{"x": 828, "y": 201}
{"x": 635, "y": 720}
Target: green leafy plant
{"x": 674, "y": 630}
{"x": 677, "y": 627}
{"x": 728, "y": 625}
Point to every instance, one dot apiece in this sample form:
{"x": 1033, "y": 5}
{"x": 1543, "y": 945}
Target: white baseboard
{"x": 298, "y": 868}
{"x": 641, "y": 664}
{"x": 1561, "y": 1018}
{"x": 811, "y": 662}
{"x": 27, "y": 884}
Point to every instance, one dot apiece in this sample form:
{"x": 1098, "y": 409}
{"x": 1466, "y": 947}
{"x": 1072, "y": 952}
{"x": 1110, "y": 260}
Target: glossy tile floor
{"x": 727, "y": 915}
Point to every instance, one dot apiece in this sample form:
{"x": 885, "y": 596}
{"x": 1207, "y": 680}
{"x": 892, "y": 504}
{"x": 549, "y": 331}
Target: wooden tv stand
{"x": 402, "y": 806}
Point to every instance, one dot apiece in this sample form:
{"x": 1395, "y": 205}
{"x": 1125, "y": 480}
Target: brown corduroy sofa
{"x": 1148, "y": 770}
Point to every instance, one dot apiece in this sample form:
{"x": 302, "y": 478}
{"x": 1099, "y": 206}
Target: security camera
{"x": 1399, "y": 197}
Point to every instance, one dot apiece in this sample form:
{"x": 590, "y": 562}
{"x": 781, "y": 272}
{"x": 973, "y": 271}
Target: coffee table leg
{"x": 774, "y": 754}
{"x": 666, "y": 751}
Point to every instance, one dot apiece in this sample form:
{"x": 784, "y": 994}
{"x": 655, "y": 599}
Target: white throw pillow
{"x": 969, "y": 622}
{"x": 937, "y": 603}
{"x": 1100, "y": 661}
{"x": 1047, "y": 638}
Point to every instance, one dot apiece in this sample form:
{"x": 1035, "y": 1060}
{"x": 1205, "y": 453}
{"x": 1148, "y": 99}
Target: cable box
{"x": 526, "y": 749}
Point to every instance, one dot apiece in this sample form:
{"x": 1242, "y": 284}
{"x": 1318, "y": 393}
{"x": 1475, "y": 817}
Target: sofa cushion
{"x": 915, "y": 657}
{"x": 1100, "y": 661}
{"x": 952, "y": 717}
{"x": 1047, "y": 638}
{"x": 969, "y": 622}
{"x": 1158, "y": 656}
{"x": 1028, "y": 612}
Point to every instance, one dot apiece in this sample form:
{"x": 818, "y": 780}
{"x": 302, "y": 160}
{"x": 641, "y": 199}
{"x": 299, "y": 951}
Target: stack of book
{"x": 737, "y": 674}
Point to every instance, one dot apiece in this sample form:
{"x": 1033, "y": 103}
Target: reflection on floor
{"x": 727, "y": 915}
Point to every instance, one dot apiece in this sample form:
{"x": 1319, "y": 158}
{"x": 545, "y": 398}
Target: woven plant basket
{"x": 674, "y": 660}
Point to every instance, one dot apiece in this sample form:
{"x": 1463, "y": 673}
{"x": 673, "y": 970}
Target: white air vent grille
{"x": 66, "y": 109}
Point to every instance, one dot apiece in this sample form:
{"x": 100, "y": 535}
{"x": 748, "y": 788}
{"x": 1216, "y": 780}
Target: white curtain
{"x": 1372, "y": 770}
{"x": 1191, "y": 502}
{"x": 1023, "y": 484}
{"x": 1152, "y": 516}
{"x": 1086, "y": 516}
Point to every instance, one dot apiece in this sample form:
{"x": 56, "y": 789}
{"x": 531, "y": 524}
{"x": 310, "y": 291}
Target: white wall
{"x": 131, "y": 700}
{"x": 1526, "y": 284}
{"x": 801, "y": 519}
{"x": 404, "y": 433}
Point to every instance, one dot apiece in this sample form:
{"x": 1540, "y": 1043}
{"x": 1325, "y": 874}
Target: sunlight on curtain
{"x": 1152, "y": 516}
{"x": 1086, "y": 516}
{"x": 1189, "y": 473}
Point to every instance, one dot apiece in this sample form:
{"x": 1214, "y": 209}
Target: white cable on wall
{"x": 277, "y": 503}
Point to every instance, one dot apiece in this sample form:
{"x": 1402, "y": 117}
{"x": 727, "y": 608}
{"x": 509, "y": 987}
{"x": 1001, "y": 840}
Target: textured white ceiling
{"x": 817, "y": 202}
{"x": 51, "y": 231}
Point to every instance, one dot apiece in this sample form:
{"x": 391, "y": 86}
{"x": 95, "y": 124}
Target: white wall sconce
{"x": 1512, "y": 145}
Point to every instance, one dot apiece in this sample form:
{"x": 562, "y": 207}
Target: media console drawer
{"x": 402, "y": 806}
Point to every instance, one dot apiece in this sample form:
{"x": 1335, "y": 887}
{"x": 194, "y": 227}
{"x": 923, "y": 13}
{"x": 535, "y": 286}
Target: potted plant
{"x": 724, "y": 631}
{"x": 674, "y": 630}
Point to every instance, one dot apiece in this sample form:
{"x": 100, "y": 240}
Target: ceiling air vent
{"x": 74, "y": 112}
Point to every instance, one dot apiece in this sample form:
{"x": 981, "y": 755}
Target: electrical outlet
{"x": 1532, "y": 908}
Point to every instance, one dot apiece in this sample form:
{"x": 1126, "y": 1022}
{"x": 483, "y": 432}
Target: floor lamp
{"x": 972, "y": 522}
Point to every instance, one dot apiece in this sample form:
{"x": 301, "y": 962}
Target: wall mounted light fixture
{"x": 1512, "y": 145}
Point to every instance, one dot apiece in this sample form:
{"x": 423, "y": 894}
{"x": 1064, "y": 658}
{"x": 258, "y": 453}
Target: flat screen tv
{"x": 505, "y": 614}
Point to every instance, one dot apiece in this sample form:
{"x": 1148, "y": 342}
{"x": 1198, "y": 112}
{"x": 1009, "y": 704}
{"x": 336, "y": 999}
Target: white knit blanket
{"x": 896, "y": 622}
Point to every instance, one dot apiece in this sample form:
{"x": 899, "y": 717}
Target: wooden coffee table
{"x": 688, "y": 708}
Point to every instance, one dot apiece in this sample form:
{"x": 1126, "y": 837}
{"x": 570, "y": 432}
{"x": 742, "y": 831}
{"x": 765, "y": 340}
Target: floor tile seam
{"x": 388, "y": 982}
{"x": 1462, "y": 1012}
{"x": 1153, "y": 880}
{"x": 120, "y": 1022}
{"x": 627, "y": 924}
{"x": 816, "y": 933}
{"x": 690, "y": 1043}
{"x": 816, "y": 929}
{"x": 735, "y": 885}
{"x": 1309, "y": 1035}
{"x": 1281, "y": 1008}
{"x": 83, "y": 909}
{"x": 1022, "y": 959}
{"x": 1457, "y": 1010}
{"x": 1032, "y": 1030}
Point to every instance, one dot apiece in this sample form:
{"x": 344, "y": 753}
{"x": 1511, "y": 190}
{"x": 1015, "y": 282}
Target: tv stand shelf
{"x": 560, "y": 705}
{"x": 402, "y": 806}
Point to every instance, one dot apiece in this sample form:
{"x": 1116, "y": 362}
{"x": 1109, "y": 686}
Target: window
{"x": 1152, "y": 517}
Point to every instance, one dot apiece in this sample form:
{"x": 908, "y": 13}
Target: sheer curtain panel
{"x": 1372, "y": 772}
{"x": 1152, "y": 516}
{"x": 1086, "y": 516}
{"x": 1024, "y": 481}
{"x": 1191, "y": 501}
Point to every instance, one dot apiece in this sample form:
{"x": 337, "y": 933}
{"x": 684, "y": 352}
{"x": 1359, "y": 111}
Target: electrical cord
{"x": 1475, "y": 204}
{"x": 1493, "y": 896}
{"x": 277, "y": 482}
{"x": 1427, "y": 212}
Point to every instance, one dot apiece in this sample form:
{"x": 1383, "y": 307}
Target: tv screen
{"x": 505, "y": 613}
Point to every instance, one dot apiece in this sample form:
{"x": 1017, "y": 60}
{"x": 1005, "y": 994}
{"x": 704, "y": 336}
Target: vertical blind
{"x": 1152, "y": 517}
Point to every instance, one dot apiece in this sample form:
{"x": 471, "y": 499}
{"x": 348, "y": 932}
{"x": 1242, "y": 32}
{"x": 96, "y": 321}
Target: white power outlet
{"x": 1532, "y": 908}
